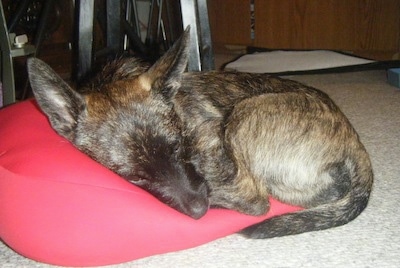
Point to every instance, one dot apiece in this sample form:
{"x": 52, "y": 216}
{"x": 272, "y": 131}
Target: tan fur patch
{"x": 145, "y": 82}
{"x": 128, "y": 91}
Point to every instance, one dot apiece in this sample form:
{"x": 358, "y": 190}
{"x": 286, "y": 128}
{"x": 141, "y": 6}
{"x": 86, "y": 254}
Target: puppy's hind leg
{"x": 244, "y": 192}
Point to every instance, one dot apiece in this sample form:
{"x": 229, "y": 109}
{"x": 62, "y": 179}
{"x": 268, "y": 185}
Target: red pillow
{"x": 60, "y": 207}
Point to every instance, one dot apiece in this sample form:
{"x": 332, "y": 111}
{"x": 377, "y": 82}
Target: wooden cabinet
{"x": 230, "y": 21}
{"x": 365, "y": 27}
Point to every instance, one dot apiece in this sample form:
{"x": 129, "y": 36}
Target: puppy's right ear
{"x": 165, "y": 75}
{"x": 56, "y": 98}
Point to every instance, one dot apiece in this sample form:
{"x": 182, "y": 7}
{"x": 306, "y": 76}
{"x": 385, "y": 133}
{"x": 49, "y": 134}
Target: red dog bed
{"x": 58, "y": 206}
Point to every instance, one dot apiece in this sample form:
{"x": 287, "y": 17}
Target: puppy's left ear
{"x": 165, "y": 74}
{"x": 56, "y": 98}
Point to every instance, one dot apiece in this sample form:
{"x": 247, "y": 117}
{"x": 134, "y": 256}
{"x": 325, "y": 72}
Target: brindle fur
{"x": 223, "y": 139}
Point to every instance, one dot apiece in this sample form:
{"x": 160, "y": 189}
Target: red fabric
{"x": 60, "y": 207}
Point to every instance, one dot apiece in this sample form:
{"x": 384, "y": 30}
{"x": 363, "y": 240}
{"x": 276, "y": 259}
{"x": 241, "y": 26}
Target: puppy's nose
{"x": 198, "y": 208}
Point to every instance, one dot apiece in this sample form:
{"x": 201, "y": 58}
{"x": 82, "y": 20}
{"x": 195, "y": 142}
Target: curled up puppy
{"x": 219, "y": 139}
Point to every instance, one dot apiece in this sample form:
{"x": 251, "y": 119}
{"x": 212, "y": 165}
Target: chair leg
{"x": 8, "y": 79}
{"x": 7, "y": 70}
{"x": 195, "y": 14}
{"x": 113, "y": 33}
{"x": 189, "y": 16}
{"x": 84, "y": 39}
{"x": 207, "y": 54}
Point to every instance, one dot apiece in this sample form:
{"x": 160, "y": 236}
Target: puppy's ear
{"x": 56, "y": 98}
{"x": 165, "y": 74}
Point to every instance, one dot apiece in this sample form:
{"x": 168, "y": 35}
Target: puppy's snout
{"x": 198, "y": 208}
{"x": 196, "y": 202}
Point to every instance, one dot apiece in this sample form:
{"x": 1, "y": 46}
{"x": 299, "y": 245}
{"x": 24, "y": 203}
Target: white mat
{"x": 286, "y": 61}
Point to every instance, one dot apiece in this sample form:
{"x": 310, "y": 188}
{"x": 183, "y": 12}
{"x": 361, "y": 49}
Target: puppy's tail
{"x": 324, "y": 216}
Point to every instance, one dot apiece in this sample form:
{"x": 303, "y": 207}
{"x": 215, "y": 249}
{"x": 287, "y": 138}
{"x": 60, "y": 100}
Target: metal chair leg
{"x": 195, "y": 14}
{"x": 114, "y": 35}
{"x": 189, "y": 16}
{"x": 8, "y": 52}
{"x": 207, "y": 54}
{"x": 84, "y": 38}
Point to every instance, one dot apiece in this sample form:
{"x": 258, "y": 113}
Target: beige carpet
{"x": 372, "y": 240}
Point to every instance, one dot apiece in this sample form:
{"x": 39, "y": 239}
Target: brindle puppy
{"x": 223, "y": 139}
